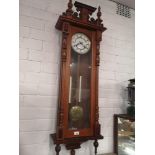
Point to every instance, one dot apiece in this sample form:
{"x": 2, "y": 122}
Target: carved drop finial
{"x": 69, "y": 11}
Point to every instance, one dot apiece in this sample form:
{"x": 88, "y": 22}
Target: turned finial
{"x": 99, "y": 20}
{"x": 99, "y": 13}
{"x": 69, "y": 11}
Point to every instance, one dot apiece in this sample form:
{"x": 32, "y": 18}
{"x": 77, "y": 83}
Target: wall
{"x": 39, "y": 67}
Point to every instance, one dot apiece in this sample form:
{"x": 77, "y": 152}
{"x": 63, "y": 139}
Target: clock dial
{"x": 80, "y": 43}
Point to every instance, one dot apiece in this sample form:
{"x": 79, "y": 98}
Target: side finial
{"x": 99, "y": 20}
{"x": 69, "y": 11}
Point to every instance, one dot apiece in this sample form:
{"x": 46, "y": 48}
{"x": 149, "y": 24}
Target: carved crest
{"x": 81, "y": 16}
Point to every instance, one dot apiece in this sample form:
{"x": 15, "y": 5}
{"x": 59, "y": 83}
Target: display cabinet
{"x": 124, "y": 134}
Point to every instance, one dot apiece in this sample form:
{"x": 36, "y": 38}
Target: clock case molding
{"x": 69, "y": 22}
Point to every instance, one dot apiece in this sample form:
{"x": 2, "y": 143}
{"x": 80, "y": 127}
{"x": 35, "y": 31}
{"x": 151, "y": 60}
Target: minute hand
{"x": 78, "y": 44}
{"x": 83, "y": 44}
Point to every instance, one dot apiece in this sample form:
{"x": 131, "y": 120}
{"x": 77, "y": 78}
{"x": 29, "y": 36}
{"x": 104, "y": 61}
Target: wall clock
{"x": 78, "y": 111}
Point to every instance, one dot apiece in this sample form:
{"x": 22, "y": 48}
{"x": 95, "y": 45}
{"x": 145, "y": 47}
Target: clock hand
{"x": 78, "y": 44}
{"x": 84, "y": 46}
{"x": 81, "y": 43}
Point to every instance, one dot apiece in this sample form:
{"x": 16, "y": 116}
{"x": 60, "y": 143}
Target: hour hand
{"x": 75, "y": 45}
{"x": 78, "y": 44}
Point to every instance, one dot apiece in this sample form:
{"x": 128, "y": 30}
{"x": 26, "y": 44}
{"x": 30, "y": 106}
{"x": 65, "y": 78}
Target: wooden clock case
{"x": 69, "y": 23}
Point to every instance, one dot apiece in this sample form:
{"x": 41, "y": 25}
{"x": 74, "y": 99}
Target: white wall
{"x": 39, "y": 67}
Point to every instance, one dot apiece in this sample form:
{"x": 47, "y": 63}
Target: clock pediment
{"x": 81, "y": 17}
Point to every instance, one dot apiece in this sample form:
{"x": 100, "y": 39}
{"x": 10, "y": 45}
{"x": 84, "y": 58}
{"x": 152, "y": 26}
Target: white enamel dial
{"x": 80, "y": 43}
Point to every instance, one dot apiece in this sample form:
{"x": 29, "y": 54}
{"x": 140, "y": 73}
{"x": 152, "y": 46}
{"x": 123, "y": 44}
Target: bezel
{"x": 83, "y": 37}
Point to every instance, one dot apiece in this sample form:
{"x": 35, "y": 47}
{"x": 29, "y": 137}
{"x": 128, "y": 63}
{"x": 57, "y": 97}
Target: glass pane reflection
{"x": 126, "y": 137}
{"x": 79, "y": 92}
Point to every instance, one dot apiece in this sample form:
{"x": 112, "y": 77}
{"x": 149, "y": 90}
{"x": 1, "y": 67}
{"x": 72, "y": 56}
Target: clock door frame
{"x": 87, "y": 131}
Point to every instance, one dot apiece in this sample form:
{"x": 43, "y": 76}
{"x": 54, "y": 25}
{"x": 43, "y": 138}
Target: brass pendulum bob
{"x": 76, "y": 111}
